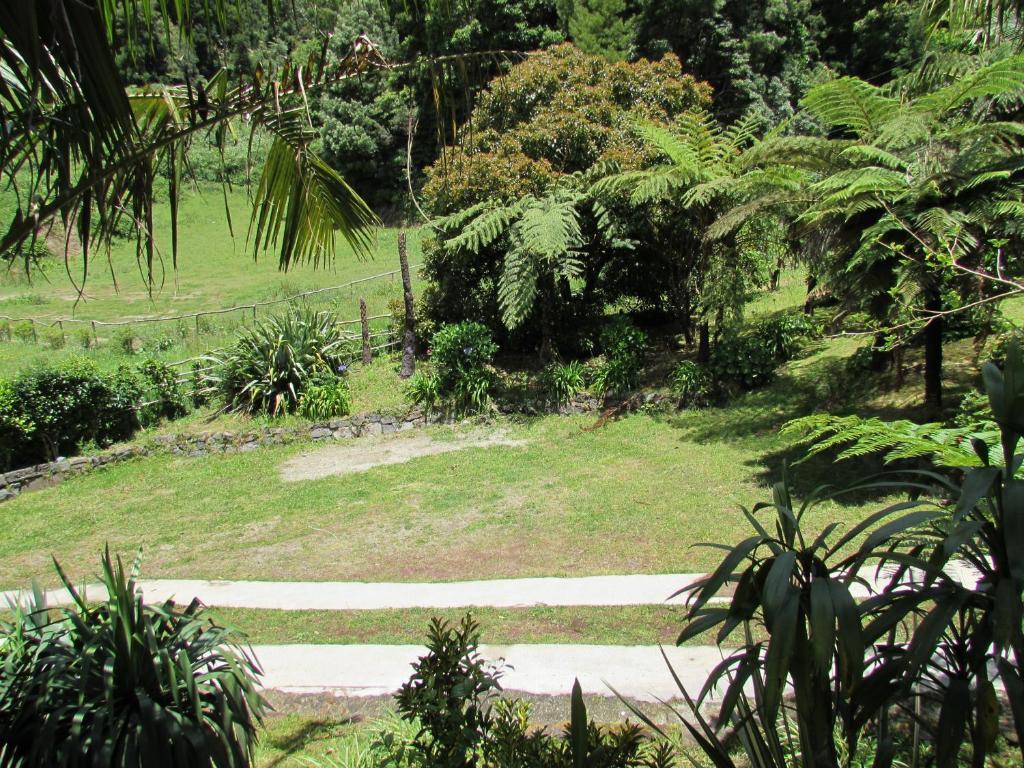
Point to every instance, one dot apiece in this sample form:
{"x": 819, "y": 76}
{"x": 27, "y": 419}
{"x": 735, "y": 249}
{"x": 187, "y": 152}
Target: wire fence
{"x": 32, "y": 328}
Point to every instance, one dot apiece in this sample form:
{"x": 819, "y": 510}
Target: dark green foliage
{"x": 742, "y": 361}
{"x": 15, "y": 428}
{"x": 270, "y": 365}
{"x": 164, "y": 395}
{"x": 363, "y": 122}
{"x": 757, "y": 55}
{"x": 692, "y": 384}
{"x": 450, "y": 694}
{"x": 71, "y": 403}
{"x": 601, "y": 27}
{"x": 784, "y": 334}
{"x": 624, "y": 346}
{"x": 563, "y": 381}
{"x": 122, "y": 683}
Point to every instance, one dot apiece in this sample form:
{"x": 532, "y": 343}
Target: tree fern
{"x": 894, "y": 440}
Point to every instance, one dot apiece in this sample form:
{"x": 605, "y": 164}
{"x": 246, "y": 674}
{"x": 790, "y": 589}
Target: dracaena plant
{"x": 801, "y": 593}
{"x": 124, "y": 683}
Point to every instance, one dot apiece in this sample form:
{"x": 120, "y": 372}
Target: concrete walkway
{"x": 638, "y": 672}
{"x": 340, "y": 596}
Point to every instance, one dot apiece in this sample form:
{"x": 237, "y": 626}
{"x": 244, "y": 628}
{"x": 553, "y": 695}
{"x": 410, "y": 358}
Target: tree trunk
{"x": 933, "y": 350}
{"x": 881, "y": 357}
{"x": 704, "y": 346}
{"x": 812, "y": 283}
{"x": 409, "y": 336}
{"x": 364, "y": 324}
{"x": 547, "y": 320}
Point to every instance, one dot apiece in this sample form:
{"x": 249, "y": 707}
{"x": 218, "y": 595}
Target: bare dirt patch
{"x": 360, "y": 456}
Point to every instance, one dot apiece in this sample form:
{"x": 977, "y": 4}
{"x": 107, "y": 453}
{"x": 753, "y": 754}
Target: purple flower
{"x": 467, "y": 350}
{"x": 342, "y": 368}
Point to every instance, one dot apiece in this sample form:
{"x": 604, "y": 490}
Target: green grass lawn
{"x": 214, "y": 271}
{"x": 631, "y": 497}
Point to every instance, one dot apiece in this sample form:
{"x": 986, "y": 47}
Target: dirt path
{"x": 360, "y": 456}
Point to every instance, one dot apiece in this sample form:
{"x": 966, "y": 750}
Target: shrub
{"x": 563, "y": 382}
{"x": 326, "y": 399}
{"x": 23, "y": 331}
{"x": 71, "y": 402}
{"x": 82, "y": 337}
{"x": 424, "y": 390}
{"x": 5, "y": 330}
{"x": 742, "y": 361}
{"x": 161, "y": 343}
{"x": 784, "y": 334}
{"x": 53, "y": 338}
{"x": 449, "y": 693}
{"x": 15, "y": 427}
{"x": 692, "y": 384}
{"x": 163, "y": 388}
{"x": 624, "y": 345}
{"x": 452, "y": 695}
{"x": 127, "y": 342}
{"x": 461, "y": 354}
{"x": 124, "y": 683}
{"x": 270, "y": 365}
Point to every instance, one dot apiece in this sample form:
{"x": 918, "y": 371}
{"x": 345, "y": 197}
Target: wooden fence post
{"x": 32, "y": 325}
{"x": 63, "y": 338}
{"x": 367, "y": 352}
{"x": 95, "y": 335}
{"x": 409, "y": 335}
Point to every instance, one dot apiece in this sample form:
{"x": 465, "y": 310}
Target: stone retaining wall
{"x": 206, "y": 443}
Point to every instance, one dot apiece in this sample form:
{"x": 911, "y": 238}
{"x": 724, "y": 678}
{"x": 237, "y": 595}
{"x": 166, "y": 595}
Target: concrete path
{"x": 338, "y": 596}
{"x": 638, "y": 672}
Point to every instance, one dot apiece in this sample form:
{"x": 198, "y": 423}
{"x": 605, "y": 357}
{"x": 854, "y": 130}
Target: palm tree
{"x": 77, "y": 145}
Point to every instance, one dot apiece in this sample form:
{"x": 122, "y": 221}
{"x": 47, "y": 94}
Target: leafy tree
{"x": 758, "y": 55}
{"x": 698, "y": 183}
{"x": 600, "y": 26}
{"x": 556, "y": 115}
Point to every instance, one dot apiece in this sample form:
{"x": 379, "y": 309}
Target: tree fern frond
{"x": 492, "y": 223}
{"x": 517, "y": 286}
{"x": 849, "y": 102}
{"x": 1002, "y": 78}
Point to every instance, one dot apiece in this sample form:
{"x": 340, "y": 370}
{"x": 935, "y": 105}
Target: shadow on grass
{"x": 300, "y": 739}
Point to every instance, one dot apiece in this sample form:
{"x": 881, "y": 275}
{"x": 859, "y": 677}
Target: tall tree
{"x": 601, "y": 27}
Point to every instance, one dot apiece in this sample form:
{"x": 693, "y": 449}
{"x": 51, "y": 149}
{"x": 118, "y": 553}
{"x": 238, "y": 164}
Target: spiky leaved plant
{"x": 125, "y": 683}
{"x": 270, "y": 365}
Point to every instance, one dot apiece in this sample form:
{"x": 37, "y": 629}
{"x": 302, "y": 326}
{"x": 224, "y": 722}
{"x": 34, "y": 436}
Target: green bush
{"x": 70, "y": 403}
{"x": 82, "y": 337}
{"x": 23, "y": 331}
{"x": 784, "y": 334}
{"x": 123, "y": 683}
{"x": 453, "y": 697}
{"x": 624, "y": 345}
{"x": 461, "y": 355}
{"x": 15, "y": 427}
{"x": 563, "y": 382}
{"x": 5, "y": 330}
{"x": 270, "y": 365}
{"x": 53, "y": 337}
{"x": 325, "y": 399}
{"x": 167, "y": 400}
{"x": 424, "y": 390}
{"x": 692, "y": 384}
{"x": 127, "y": 342}
{"x": 449, "y": 694}
{"x": 742, "y": 361}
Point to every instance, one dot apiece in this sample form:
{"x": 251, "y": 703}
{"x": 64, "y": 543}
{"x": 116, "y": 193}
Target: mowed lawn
{"x": 631, "y": 497}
